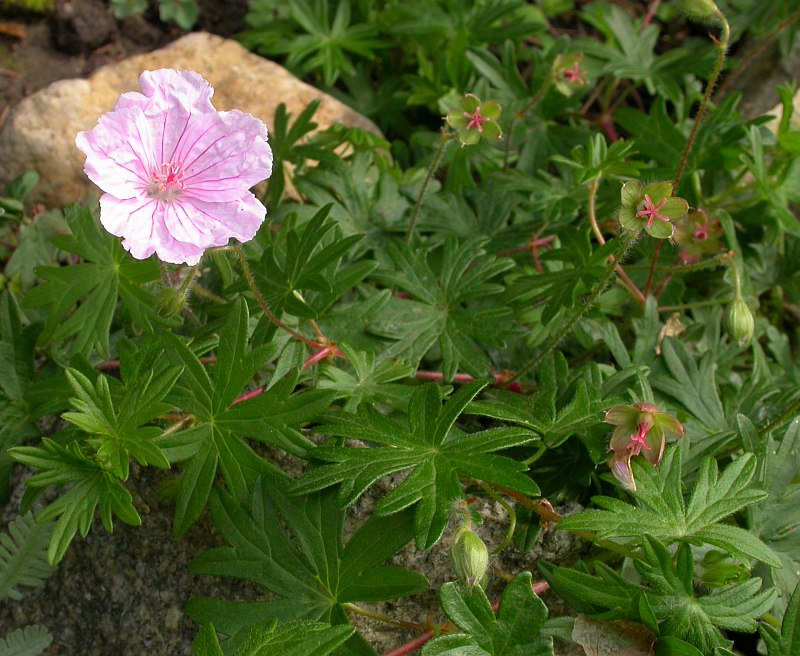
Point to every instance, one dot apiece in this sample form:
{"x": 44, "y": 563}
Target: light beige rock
{"x": 40, "y": 133}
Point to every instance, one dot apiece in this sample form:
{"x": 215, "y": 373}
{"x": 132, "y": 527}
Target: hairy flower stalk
{"x": 176, "y": 172}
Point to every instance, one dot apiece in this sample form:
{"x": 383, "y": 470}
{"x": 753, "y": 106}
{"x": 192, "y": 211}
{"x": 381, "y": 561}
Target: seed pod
{"x": 469, "y": 556}
{"x": 741, "y": 323}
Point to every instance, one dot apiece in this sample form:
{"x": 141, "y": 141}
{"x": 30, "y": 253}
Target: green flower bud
{"x": 741, "y": 323}
{"x": 170, "y": 302}
{"x": 469, "y": 556}
{"x": 698, "y": 9}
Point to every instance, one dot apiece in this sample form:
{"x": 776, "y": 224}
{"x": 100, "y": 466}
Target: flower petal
{"x": 224, "y": 155}
{"x": 659, "y": 229}
{"x": 632, "y": 193}
{"x": 240, "y": 219}
{"x": 469, "y": 103}
{"x": 621, "y": 468}
{"x": 168, "y": 88}
{"x": 629, "y": 220}
{"x": 675, "y": 208}
{"x": 658, "y": 191}
{"x": 119, "y": 152}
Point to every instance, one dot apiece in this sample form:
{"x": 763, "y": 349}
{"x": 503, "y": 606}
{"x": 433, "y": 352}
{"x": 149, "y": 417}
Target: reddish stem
{"x": 258, "y": 391}
{"x": 651, "y": 11}
{"x": 329, "y": 351}
{"x": 649, "y": 285}
{"x": 607, "y": 124}
{"x": 501, "y": 378}
{"x": 411, "y": 646}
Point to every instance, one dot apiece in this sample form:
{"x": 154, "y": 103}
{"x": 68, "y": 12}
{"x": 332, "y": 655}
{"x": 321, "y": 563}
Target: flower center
{"x": 639, "y": 440}
{"x": 166, "y": 182}
{"x": 476, "y": 120}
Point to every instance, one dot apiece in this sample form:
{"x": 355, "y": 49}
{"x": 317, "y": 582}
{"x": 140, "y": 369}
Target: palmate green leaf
{"x": 23, "y": 555}
{"x": 117, "y": 435}
{"x": 631, "y": 54}
{"x": 92, "y": 485}
{"x": 29, "y": 641}
{"x": 107, "y": 272}
{"x": 436, "y": 455}
{"x": 214, "y": 440}
{"x": 364, "y": 380}
{"x": 296, "y": 638}
{"x": 551, "y": 411}
{"x": 691, "y": 384}
{"x": 292, "y": 546}
{"x": 698, "y": 620}
{"x": 661, "y": 511}
{"x": 666, "y": 601}
{"x": 25, "y": 394}
{"x": 455, "y": 305}
{"x": 329, "y": 40}
{"x": 571, "y": 271}
{"x": 776, "y": 520}
{"x": 514, "y": 632}
{"x": 306, "y": 263}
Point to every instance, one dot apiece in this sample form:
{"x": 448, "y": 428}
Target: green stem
{"x": 540, "y": 451}
{"x": 431, "y": 170}
{"x": 358, "y": 610}
{"x": 211, "y": 296}
{"x": 251, "y": 281}
{"x": 722, "y": 45}
{"x": 565, "y": 329}
{"x": 512, "y": 516}
{"x": 678, "y": 269}
{"x": 191, "y": 274}
{"x": 690, "y": 306}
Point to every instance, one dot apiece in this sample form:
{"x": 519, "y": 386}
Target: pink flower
{"x": 640, "y": 429}
{"x": 176, "y": 172}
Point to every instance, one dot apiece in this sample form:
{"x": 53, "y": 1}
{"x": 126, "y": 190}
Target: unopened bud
{"x": 699, "y": 9}
{"x": 170, "y": 302}
{"x": 469, "y": 556}
{"x": 741, "y": 323}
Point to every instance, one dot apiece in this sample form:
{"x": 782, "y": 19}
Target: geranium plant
{"x": 562, "y": 281}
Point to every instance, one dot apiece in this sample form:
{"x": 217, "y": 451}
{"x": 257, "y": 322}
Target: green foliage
{"x": 446, "y": 306}
{"x": 665, "y": 601}
{"x": 430, "y": 446}
{"x": 515, "y": 630}
{"x": 787, "y": 641}
{"x": 662, "y": 512}
{"x": 23, "y": 555}
{"x": 93, "y": 286}
{"x": 214, "y": 439}
{"x": 298, "y": 638}
{"x": 292, "y": 546}
{"x": 477, "y": 355}
{"x": 30, "y": 641}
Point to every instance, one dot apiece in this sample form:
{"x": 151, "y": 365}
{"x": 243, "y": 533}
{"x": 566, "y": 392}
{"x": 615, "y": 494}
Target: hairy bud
{"x": 469, "y": 556}
{"x": 698, "y": 9}
{"x": 170, "y": 302}
{"x": 741, "y": 323}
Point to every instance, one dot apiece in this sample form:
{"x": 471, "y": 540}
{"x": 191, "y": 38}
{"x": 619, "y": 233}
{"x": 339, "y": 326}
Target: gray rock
{"x": 40, "y": 133}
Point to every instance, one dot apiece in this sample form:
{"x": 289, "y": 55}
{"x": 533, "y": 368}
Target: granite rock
{"x": 40, "y": 132}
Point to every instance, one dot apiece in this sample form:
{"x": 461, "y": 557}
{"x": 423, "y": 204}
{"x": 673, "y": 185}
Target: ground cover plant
{"x": 569, "y": 271}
